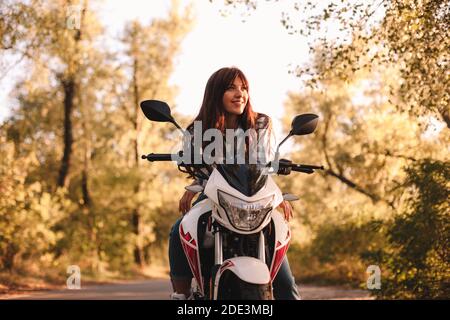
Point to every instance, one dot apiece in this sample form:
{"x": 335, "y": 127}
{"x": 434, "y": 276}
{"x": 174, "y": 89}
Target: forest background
{"x": 74, "y": 191}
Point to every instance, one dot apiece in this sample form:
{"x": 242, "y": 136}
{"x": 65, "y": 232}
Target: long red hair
{"x": 212, "y": 112}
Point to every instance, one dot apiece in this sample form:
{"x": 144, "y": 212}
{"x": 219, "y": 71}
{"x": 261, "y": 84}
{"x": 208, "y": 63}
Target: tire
{"x": 233, "y": 288}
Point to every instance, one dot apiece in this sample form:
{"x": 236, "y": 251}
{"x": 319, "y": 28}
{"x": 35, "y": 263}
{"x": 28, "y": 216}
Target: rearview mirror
{"x": 304, "y": 124}
{"x": 156, "y": 110}
{"x": 159, "y": 111}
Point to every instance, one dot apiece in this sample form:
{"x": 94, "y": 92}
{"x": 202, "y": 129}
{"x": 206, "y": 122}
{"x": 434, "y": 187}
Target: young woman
{"x": 226, "y": 105}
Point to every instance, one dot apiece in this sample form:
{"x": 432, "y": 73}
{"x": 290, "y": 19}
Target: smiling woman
{"x": 226, "y": 105}
{"x": 234, "y": 100}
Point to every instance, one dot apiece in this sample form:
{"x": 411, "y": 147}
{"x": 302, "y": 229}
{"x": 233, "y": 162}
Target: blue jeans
{"x": 284, "y": 287}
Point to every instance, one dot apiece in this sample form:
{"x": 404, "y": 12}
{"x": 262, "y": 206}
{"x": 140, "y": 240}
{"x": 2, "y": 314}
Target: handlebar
{"x": 159, "y": 157}
{"x": 305, "y": 168}
{"x": 285, "y": 166}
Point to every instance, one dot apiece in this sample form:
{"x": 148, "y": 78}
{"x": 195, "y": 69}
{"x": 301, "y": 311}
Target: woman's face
{"x": 235, "y": 97}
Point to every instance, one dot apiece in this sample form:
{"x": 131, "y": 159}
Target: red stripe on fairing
{"x": 186, "y": 236}
{"x": 278, "y": 259}
{"x": 192, "y": 256}
{"x": 226, "y": 265}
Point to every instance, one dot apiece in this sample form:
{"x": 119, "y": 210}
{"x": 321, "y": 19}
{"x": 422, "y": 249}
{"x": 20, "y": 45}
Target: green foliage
{"x": 417, "y": 259}
{"x": 338, "y": 253}
{"x": 412, "y": 35}
{"x": 333, "y": 242}
{"x": 369, "y": 146}
{"x": 383, "y": 198}
{"x": 353, "y": 35}
{"x": 91, "y": 222}
{"x": 27, "y": 212}
{"x": 368, "y": 149}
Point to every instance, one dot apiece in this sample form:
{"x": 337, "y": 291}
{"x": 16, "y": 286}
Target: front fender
{"x": 247, "y": 269}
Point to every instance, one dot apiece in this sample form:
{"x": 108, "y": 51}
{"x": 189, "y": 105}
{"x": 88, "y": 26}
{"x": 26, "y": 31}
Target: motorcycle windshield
{"x": 246, "y": 178}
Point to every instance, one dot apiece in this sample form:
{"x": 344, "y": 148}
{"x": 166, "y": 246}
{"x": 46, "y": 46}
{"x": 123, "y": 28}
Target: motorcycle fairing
{"x": 216, "y": 181}
{"x": 282, "y": 240}
{"x": 189, "y": 238}
{"x": 246, "y": 178}
{"x": 248, "y": 269}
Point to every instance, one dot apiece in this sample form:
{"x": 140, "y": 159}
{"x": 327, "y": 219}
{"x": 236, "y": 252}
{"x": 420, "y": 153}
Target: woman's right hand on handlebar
{"x": 186, "y": 201}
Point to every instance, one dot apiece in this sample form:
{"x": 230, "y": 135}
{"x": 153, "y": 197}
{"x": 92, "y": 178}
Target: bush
{"x": 338, "y": 254}
{"x": 417, "y": 259}
{"x": 27, "y": 212}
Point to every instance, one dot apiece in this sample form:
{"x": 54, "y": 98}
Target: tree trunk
{"x": 446, "y": 116}
{"x": 70, "y": 90}
{"x": 86, "y": 162}
{"x": 139, "y": 258}
{"x": 138, "y": 251}
{"x": 69, "y": 93}
{"x": 7, "y": 260}
{"x": 85, "y": 188}
{"x": 87, "y": 204}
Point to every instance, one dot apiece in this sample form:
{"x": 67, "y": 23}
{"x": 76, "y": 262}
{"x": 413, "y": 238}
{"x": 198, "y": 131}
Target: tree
{"x": 364, "y": 143}
{"x": 40, "y": 31}
{"x": 76, "y": 88}
{"x": 27, "y": 211}
{"x": 413, "y": 35}
{"x": 64, "y": 65}
{"x": 151, "y": 50}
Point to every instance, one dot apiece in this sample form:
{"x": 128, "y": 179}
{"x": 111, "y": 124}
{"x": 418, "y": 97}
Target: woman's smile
{"x": 238, "y": 102}
{"x": 235, "y": 97}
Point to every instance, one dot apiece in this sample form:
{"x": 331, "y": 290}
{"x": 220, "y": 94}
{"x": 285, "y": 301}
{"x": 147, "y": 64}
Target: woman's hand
{"x": 185, "y": 202}
{"x": 287, "y": 210}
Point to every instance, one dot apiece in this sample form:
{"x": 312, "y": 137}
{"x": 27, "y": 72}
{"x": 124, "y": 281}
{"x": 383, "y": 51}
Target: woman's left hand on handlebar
{"x": 287, "y": 210}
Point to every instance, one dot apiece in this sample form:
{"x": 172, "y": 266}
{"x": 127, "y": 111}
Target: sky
{"x": 260, "y": 47}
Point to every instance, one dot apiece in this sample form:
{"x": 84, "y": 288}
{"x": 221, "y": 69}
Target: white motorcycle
{"x": 234, "y": 239}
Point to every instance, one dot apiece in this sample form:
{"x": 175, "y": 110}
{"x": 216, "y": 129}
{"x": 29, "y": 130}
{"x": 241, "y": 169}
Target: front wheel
{"x": 231, "y": 287}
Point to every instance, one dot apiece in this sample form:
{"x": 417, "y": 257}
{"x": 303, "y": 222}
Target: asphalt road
{"x": 160, "y": 289}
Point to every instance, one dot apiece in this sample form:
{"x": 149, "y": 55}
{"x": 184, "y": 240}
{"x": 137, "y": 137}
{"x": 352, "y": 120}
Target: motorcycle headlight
{"x": 243, "y": 215}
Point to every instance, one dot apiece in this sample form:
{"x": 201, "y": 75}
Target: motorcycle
{"x": 234, "y": 239}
